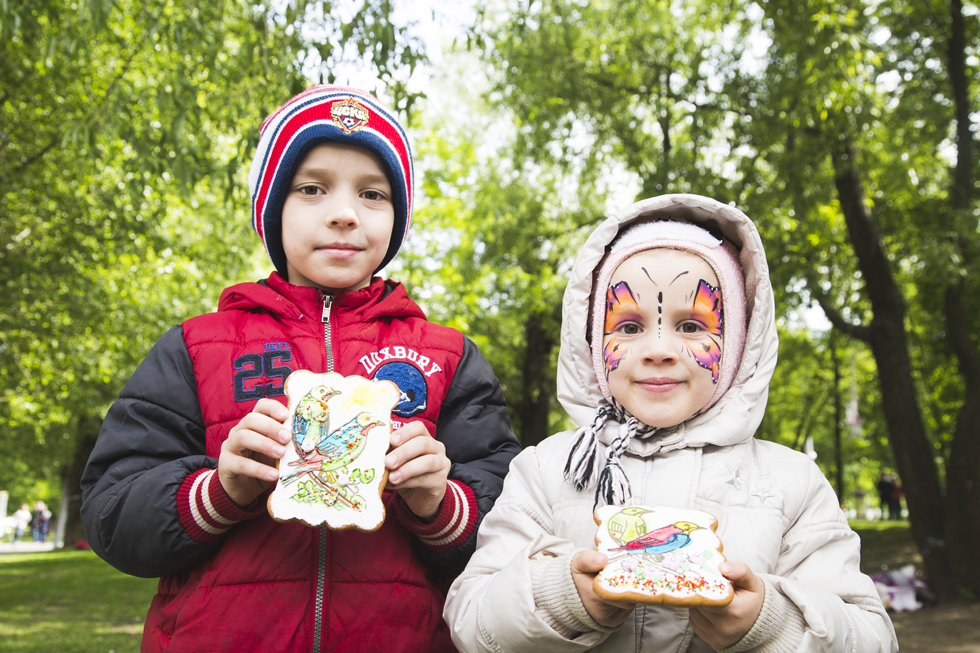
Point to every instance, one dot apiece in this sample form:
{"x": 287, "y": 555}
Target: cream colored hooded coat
{"x": 775, "y": 509}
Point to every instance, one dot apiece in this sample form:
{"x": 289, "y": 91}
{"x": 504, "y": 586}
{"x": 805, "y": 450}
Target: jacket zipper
{"x": 321, "y": 571}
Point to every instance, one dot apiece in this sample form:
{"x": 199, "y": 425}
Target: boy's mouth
{"x": 340, "y": 249}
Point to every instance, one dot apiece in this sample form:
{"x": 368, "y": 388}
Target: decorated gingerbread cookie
{"x": 660, "y": 555}
{"x": 333, "y": 471}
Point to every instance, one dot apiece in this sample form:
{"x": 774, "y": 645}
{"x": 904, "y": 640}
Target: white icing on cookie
{"x": 333, "y": 471}
{"x": 660, "y": 555}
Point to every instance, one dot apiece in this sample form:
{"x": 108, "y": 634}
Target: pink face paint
{"x": 620, "y": 306}
{"x": 707, "y": 310}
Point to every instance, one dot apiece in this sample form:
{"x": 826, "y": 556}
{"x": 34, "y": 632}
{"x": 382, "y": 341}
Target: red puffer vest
{"x": 287, "y": 587}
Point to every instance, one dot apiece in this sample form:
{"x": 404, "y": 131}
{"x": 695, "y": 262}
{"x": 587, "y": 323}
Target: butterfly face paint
{"x": 707, "y": 310}
{"x": 621, "y": 306}
{"x": 663, "y": 344}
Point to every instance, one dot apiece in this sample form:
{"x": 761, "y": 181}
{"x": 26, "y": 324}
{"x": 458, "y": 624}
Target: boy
{"x": 668, "y": 345}
{"x": 177, "y": 484}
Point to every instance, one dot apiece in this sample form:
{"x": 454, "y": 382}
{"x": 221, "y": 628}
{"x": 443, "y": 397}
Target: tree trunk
{"x": 538, "y": 381}
{"x": 914, "y": 457}
{"x": 89, "y": 432}
{"x": 963, "y": 468}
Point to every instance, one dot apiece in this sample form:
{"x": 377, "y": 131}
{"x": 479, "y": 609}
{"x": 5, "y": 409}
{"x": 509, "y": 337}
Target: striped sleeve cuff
{"x": 454, "y": 523}
{"x": 206, "y": 511}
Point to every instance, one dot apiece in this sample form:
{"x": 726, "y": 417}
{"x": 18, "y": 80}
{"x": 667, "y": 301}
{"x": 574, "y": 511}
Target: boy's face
{"x": 663, "y": 335}
{"x": 337, "y": 218}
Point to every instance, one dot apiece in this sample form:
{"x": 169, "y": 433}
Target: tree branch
{"x": 856, "y": 331}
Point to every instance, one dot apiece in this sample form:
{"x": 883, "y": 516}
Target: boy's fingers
{"x": 418, "y": 467}
{"x": 244, "y": 466}
{"x": 431, "y": 481}
{"x": 415, "y": 448}
{"x": 264, "y": 425}
{"x": 250, "y": 441}
{"x": 272, "y": 408}
{"x": 408, "y": 432}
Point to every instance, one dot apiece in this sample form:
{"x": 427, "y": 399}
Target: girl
{"x": 668, "y": 344}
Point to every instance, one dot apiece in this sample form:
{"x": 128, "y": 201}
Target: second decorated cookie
{"x": 333, "y": 471}
{"x": 660, "y": 555}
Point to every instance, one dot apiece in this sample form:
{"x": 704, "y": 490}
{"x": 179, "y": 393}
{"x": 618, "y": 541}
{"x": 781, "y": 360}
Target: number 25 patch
{"x": 262, "y": 375}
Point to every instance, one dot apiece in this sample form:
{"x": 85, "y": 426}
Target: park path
{"x": 26, "y": 547}
{"x": 944, "y": 628}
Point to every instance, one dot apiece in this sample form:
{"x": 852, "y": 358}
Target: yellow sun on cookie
{"x": 367, "y": 399}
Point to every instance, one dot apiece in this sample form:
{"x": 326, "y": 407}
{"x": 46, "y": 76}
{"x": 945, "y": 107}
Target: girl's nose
{"x": 659, "y": 347}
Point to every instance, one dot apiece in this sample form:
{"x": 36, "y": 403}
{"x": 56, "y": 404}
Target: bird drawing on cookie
{"x": 664, "y": 539}
{"x": 311, "y": 425}
{"x": 343, "y": 445}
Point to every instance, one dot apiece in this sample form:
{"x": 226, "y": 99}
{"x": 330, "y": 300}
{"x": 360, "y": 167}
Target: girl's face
{"x": 663, "y": 335}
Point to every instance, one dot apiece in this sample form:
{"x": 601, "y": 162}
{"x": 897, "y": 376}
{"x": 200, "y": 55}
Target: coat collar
{"x": 380, "y": 299}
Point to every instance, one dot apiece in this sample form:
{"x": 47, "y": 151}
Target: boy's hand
{"x": 247, "y": 463}
{"x": 585, "y": 566}
{"x": 722, "y": 627}
{"x": 418, "y": 469}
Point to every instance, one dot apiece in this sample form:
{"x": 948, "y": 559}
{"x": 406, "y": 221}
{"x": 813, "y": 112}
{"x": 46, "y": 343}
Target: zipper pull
{"x": 327, "y": 303}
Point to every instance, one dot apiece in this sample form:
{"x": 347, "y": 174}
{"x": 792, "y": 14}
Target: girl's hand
{"x": 722, "y": 627}
{"x": 585, "y": 566}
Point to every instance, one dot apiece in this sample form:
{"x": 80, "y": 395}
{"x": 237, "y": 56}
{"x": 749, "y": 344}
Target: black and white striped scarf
{"x": 580, "y": 469}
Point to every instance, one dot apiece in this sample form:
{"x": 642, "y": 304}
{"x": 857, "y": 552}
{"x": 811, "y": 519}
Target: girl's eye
{"x": 690, "y": 327}
{"x": 630, "y": 328}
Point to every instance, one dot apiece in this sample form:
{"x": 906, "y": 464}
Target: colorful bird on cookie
{"x": 311, "y": 424}
{"x": 344, "y": 444}
{"x": 665, "y": 539}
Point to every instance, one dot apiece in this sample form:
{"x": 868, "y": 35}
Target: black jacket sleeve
{"x": 475, "y": 428}
{"x": 151, "y": 439}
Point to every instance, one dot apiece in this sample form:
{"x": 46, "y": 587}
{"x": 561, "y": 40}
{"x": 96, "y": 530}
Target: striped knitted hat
{"x": 326, "y": 114}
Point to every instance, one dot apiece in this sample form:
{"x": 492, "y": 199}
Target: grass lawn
{"x": 70, "y": 601}
{"x": 886, "y": 545}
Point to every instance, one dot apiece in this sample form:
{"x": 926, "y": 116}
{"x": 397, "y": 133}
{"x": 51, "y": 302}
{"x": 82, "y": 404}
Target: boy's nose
{"x": 342, "y": 214}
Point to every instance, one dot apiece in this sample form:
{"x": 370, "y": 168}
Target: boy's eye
{"x": 373, "y": 195}
{"x": 308, "y": 190}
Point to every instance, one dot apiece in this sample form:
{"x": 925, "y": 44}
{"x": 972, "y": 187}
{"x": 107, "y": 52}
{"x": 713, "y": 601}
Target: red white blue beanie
{"x": 326, "y": 114}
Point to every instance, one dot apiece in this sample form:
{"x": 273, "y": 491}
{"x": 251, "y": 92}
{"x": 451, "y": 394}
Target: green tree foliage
{"x": 846, "y": 134}
{"x": 807, "y": 399}
{"x": 496, "y": 234}
{"x": 628, "y": 81}
{"x": 125, "y": 128}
